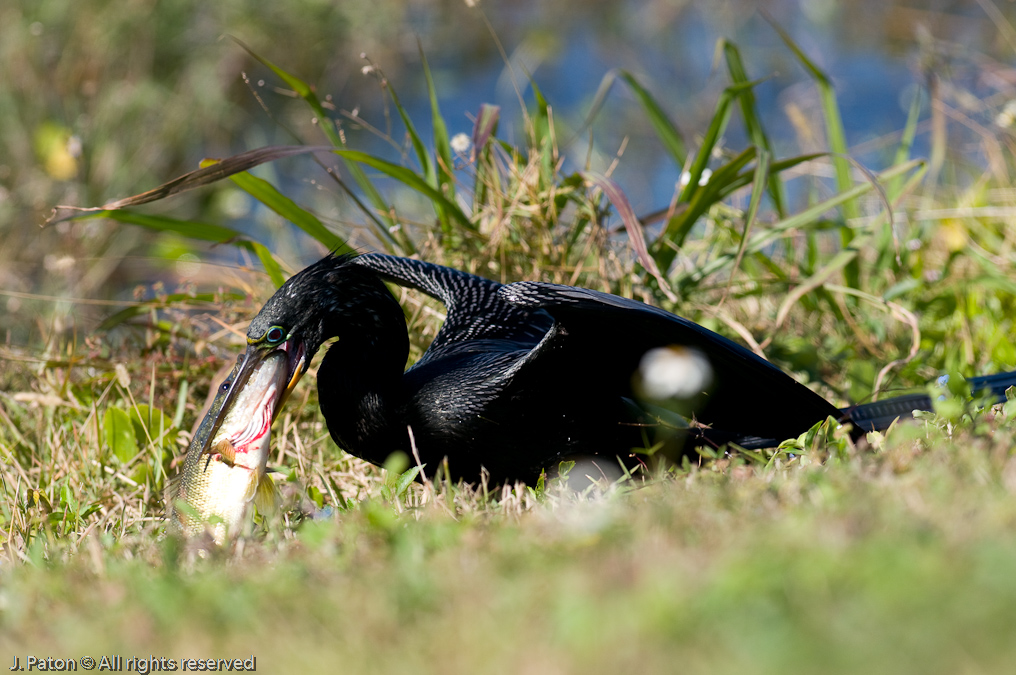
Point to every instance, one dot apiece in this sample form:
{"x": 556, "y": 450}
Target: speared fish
{"x": 222, "y": 478}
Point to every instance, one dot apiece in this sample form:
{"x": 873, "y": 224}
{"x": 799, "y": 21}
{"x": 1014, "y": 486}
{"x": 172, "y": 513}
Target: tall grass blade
{"x": 268, "y": 194}
{"x": 442, "y": 144}
{"x": 717, "y": 126}
{"x": 327, "y": 126}
{"x": 543, "y": 139}
{"x": 666, "y": 130}
{"x": 906, "y": 142}
{"x": 807, "y": 219}
{"x": 719, "y": 186}
{"x": 439, "y": 171}
{"x": 836, "y": 137}
{"x": 757, "y": 190}
{"x": 752, "y": 121}
{"x": 210, "y": 172}
{"x": 781, "y": 165}
{"x": 485, "y": 127}
{"x": 194, "y": 230}
{"x": 408, "y": 178}
{"x": 185, "y": 228}
{"x": 483, "y": 130}
{"x": 302, "y": 89}
{"x": 169, "y": 300}
{"x": 701, "y": 197}
{"x": 269, "y": 262}
{"x": 418, "y": 145}
{"x": 632, "y": 225}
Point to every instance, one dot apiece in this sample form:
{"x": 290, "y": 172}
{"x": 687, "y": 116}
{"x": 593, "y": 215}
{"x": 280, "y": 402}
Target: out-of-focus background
{"x": 101, "y": 100}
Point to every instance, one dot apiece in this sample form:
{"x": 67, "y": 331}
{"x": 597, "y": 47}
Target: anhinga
{"x": 519, "y": 376}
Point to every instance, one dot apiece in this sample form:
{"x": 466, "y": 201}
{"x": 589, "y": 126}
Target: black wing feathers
{"x": 580, "y": 340}
{"x": 751, "y": 394}
{"x": 475, "y": 311}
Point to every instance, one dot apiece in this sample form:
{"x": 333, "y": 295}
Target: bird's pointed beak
{"x": 296, "y": 351}
{"x": 296, "y": 366}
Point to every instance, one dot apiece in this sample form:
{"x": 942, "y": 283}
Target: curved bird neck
{"x": 360, "y": 377}
{"x": 373, "y": 341}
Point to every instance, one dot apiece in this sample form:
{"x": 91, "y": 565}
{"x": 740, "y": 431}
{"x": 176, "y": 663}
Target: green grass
{"x": 894, "y": 555}
{"x": 895, "y": 561}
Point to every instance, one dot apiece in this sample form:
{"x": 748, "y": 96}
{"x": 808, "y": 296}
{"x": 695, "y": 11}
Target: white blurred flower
{"x": 1007, "y": 117}
{"x": 122, "y": 376}
{"x": 674, "y": 371}
{"x": 703, "y": 179}
{"x": 461, "y": 144}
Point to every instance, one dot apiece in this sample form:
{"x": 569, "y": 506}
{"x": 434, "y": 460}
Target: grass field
{"x": 891, "y": 555}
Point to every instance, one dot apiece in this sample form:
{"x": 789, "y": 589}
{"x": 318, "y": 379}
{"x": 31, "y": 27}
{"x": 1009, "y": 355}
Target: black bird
{"x": 519, "y": 376}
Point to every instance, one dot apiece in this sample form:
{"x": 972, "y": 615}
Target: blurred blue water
{"x": 868, "y": 49}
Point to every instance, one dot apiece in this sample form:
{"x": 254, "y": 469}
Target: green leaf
{"x": 712, "y": 136}
{"x": 268, "y": 194}
{"x": 316, "y": 496}
{"x": 120, "y": 434}
{"x": 185, "y": 228}
{"x": 808, "y": 219}
{"x": 270, "y": 264}
{"x": 837, "y": 141}
{"x": 667, "y": 132}
{"x": 170, "y": 300}
{"x": 409, "y": 179}
{"x": 402, "y": 484}
{"x": 394, "y": 465}
{"x": 752, "y": 121}
{"x": 151, "y": 423}
{"x": 442, "y": 144}
{"x": 440, "y": 175}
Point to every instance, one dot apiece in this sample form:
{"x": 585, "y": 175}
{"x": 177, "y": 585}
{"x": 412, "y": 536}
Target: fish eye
{"x": 225, "y": 385}
{"x": 275, "y": 335}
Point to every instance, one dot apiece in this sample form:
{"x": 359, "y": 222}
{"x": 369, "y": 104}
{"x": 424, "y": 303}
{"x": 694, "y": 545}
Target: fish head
{"x": 242, "y": 436}
{"x": 255, "y": 392}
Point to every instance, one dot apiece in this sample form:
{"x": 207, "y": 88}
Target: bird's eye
{"x": 275, "y": 335}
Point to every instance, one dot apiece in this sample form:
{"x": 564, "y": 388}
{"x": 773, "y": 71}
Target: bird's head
{"x": 317, "y": 303}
